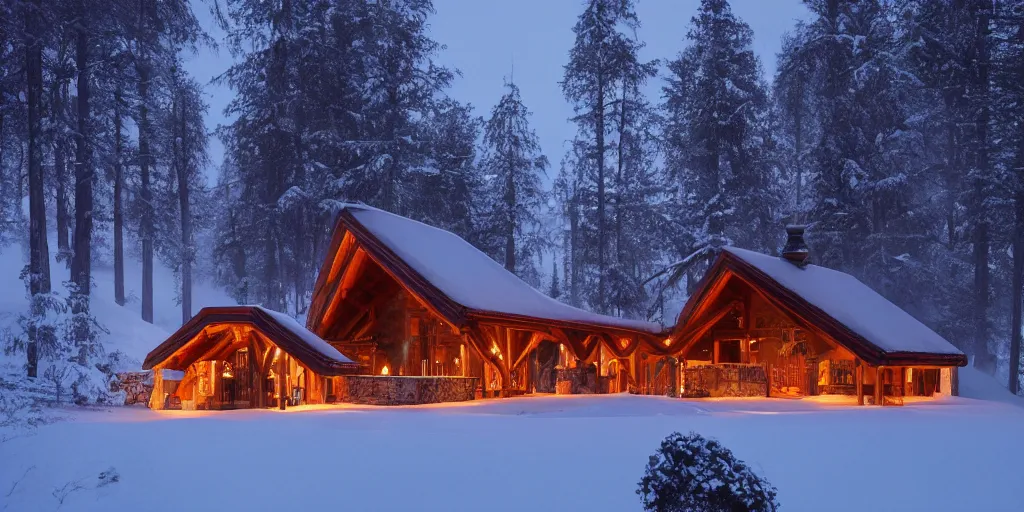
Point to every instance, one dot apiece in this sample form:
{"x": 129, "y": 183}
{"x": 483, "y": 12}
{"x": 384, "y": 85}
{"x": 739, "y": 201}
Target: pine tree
{"x": 942, "y": 41}
{"x": 717, "y": 141}
{"x": 603, "y": 67}
{"x": 160, "y": 31}
{"x": 1008, "y": 92}
{"x": 513, "y": 166}
{"x": 188, "y": 148}
{"x": 452, "y": 172}
{"x": 39, "y": 254}
{"x": 336, "y": 101}
{"x": 555, "y": 291}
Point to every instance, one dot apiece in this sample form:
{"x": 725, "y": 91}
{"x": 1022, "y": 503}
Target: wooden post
{"x": 860, "y": 382}
{"x": 218, "y": 383}
{"x": 717, "y": 351}
{"x": 879, "y": 388}
{"x": 282, "y": 381}
{"x": 767, "y": 379}
{"x": 156, "y": 398}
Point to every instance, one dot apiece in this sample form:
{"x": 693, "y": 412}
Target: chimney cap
{"x": 795, "y": 250}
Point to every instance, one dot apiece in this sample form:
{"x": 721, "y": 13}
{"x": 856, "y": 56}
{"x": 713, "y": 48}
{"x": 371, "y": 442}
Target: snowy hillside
{"x": 128, "y": 333}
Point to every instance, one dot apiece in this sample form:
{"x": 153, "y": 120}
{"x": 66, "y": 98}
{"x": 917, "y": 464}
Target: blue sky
{"x": 483, "y": 39}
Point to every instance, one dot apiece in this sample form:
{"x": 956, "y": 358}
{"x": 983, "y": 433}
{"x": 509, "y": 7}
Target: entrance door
{"x": 547, "y": 360}
{"x": 236, "y": 392}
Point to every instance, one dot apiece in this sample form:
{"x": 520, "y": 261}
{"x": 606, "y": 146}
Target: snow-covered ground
{"x": 533, "y": 453}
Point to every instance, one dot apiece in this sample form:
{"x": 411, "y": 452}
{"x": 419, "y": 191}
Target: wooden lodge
{"x": 759, "y": 325}
{"x": 405, "y": 313}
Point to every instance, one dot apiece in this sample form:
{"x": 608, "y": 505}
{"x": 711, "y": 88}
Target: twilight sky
{"x": 485, "y": 37}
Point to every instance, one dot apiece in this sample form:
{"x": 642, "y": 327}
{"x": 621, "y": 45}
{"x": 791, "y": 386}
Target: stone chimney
{"x": 796, "y": 251}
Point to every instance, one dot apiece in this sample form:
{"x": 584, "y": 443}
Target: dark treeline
{"x": 893, "y": 128}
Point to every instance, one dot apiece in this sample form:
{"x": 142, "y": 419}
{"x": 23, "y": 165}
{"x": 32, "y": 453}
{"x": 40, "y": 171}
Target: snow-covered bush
{"x": 693, "y": 474}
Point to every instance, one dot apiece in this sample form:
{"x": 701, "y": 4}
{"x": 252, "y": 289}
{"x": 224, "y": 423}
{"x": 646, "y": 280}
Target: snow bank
{"x": 982, "y": 386}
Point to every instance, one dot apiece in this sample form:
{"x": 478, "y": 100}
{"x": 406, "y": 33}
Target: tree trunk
{"x": 1018, "y": 283}
{"x": 798, "y": 146}
{"x": 118, "y": 208}
{"x": 81, "y": 262}
{"x": 60, "y": 152}
{"x": 146, "y": 195}
{"x": 39, "y": 254}
{"x": 181, "y": 169}
{"x": 510, "y": 218}
{"x": 601, "y": 235}
{"x": 984, "y": 359}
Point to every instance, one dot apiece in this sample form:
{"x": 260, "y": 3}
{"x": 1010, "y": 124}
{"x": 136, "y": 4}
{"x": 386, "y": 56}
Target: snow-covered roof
{"x": 471, "y": 278}
{"x": 851, "y": 303}
{"x": 312, "y": 340}
{"x": 282, "y": 330}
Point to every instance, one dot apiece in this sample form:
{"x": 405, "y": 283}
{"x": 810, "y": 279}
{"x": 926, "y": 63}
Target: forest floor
{"x": 530, "y": 453}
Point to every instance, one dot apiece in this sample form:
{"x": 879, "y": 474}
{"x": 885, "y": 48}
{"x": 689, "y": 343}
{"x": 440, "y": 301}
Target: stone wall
{"x": 398, "y": 390}
{"x": 725, "y": 380}
{"x": 576, "y": 381}
{"x": 137, "y": 386}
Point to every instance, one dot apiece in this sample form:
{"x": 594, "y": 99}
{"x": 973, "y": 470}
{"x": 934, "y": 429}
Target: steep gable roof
{"x": 459, "y": 279}
{"x": 846, "y": 309}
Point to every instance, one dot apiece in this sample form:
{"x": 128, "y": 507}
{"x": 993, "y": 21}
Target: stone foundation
{"x": 576, "y": 381}
{"x": 137, "y": 387}
{"x": 399, "y": 390}
{"x": 725, "y": 380}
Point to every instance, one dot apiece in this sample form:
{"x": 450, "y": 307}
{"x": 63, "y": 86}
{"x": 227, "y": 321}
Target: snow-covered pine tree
{"x": 555, "y": 291}
{"x": 794, "y": 92}
{"x": 638, "y": 192}
{"x": 12, "y": 121}
{"x": 717, "y": 142}
{"x": 186, "y": 144}
{"x": 569, "y": 190}
{"x": 942, "y": 42}
{"x": 159, "y": 31}
{"x": 275, "y": 45}
{"x": 450, "y": 184}
{"x": 38, "y": 275}
{"x": 1008, "y": 92}
{"x": 513, "y": 167}
{"x": 398, "y": 86}
{"x": 336, "y": 101}
{"x": 603, "y": 66}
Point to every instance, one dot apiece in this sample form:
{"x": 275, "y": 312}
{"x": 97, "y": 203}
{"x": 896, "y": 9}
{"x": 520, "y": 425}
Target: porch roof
{"x": 279, "y": 328}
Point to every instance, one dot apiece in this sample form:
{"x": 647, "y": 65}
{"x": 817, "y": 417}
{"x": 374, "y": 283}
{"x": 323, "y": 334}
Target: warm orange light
{"x": 496, "y": 351}
{"x": 624, "y": 342}
{"x": 384, "y": 371}
{"x": 668, "y": 341}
